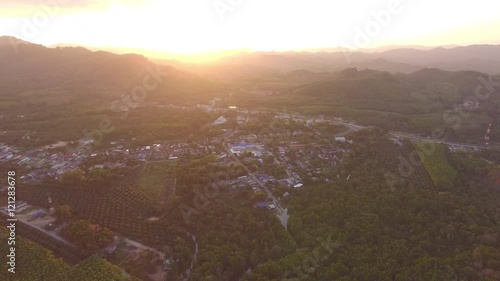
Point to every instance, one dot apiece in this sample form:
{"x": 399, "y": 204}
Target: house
{"x": 86, "y": 141}
{"x": 340, "y": 139}
{"x": 221, "y": 120}
{"x": 257, "y": 153}
{"x": 260, "y": 205}
{"x": 250, "y": 137}
{"x": 299, "y": 185}
{"x": 240, "y": 119}
{"x": 38, "y": 215}
{"x": 111, "y": 248}
{"x": 240, "y": 148}
{"x": 167, "y": 265}
{"x": 21, "y": 204}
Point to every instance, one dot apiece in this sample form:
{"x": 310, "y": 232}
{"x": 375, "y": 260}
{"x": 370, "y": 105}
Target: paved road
{"x": 353, "y": 128}
{"x": 195, "y": 258}
{"x": 160, "y": 275}
{"x": 41, "y": 229}
{"x": 282, "y": 213}
{"x": 268, "y": 192}
{"x": 441, "y": 141}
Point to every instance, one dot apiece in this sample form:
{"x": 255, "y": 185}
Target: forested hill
{"x": 77, "y": 71}
{"x": 36, "y": 65}
{"x": 424, "y": 91}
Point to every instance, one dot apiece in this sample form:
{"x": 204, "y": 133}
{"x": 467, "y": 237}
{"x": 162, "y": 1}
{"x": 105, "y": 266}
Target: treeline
{"x": 34, "y": 263}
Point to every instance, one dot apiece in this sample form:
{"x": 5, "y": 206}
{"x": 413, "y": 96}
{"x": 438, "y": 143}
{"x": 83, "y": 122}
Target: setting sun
{"x": 194, "y": 27}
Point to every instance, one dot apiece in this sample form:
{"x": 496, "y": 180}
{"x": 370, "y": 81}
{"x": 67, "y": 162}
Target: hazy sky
{"x": 206, "y": 25}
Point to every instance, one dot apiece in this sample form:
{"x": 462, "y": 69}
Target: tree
{"x": 275, "y": 252}
{"x": 258, "y": 196}
{"x": 63, "y": 212}
{"x": 72, "y": 177}
{"x": 269, "y": 159}
{"x": 91, "y": 236}
{"x": 100, "y": 177}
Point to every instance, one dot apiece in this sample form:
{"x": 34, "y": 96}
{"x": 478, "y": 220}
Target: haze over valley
{"x": 250, "y": 140}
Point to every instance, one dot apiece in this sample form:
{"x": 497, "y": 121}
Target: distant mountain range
{"x": 12, "y": 41}
{"x": 46, "y": 67}
{"x": 56, "y": 65}
{"x": 482, "y": 58}
{"x": 394, "y": 59}
{"x": 30, "y": 67}
{"x": 245, "y": 65}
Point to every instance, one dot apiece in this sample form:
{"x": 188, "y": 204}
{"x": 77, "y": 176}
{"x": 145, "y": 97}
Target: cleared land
{"x": 437, "y": 165}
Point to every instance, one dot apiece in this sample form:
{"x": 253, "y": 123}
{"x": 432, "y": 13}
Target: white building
{"x": 221, "y": 120}
{"x": 299, "y": 185}
{"x": 340, "y": 139}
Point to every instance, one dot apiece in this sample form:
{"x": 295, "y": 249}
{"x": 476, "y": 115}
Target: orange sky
{"x": 192, "y": 26}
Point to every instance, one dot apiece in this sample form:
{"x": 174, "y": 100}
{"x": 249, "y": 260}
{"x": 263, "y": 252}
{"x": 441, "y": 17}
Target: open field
{"x": 437, "y": 165}
{"x": 153, "y": 178}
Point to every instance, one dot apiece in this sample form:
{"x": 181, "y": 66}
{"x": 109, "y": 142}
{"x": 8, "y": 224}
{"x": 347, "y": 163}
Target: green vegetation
{"x": 7, "y": 104}
{"x": 34, "y": 262}
{"x": 63, "y": 213}
{"x": 117, "y": 207}
{"x": 490, "y": 155}
{"x": 97, "y": 269}
{"x": 427, "y": 123}
{"x": 205, "y": 160}
{"x": 361, "y": 229}
{"x": 244, "y": 238}
{"x": 418, "y": 102}
{"x": 152, "y": 180}
{"x": 88, "y": 236}
{"x": 437, "y": 165}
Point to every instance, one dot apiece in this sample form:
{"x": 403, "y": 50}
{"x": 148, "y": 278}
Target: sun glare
{"x": 200, "y": 32}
